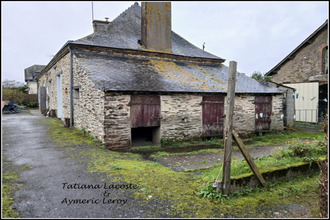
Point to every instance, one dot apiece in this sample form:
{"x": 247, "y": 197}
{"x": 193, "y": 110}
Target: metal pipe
{"x": 71, "y": 90}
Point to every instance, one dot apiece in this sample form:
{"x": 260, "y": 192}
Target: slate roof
{"x": 31, "y": 72}
{"x": 125, "y": 31}
{"x": 112, "y": 72}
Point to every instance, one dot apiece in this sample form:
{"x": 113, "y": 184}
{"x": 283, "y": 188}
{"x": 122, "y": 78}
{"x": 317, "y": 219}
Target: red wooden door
{"x": 263, "y": 110}
{"x": 213, "y": 115}
{"x": 145, "y": 111}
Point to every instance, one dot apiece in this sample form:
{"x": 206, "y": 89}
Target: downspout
{"x": 71, "y": 89}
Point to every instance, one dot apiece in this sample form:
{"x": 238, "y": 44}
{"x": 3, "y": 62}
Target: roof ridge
{"x": 136, "y": 4}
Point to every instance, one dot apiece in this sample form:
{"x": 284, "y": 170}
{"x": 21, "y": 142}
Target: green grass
{"x": 9, "y": 186}
{"x": 298, "y": 151}
{"x": 176, "y": 192}
{"x": 165, "y": 154}
{"x": 281, "y": 137}
{"x": 62, "y": 134}
{"x": 239, "y": 167}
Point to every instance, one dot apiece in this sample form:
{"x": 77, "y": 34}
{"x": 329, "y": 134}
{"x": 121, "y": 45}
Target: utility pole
{"x": 228, "y": 137}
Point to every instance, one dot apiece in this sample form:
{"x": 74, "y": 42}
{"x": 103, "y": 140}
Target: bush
{"x": 32, "y": 105}
{"x": 309, "y": 150}
{"x": 16, "y": 95}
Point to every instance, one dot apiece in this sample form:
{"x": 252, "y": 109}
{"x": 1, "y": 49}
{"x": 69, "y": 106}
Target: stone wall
{"x": 277, "y": 122}
{"x": 244, "y": 114}
{"x": 306, "y": 63}
{"x": 32, "y": 87}
{"x": 117, "y": 124}
{"x": 181, "y": 116}
{"x": 49, "y": 81}
{"x": 88, "y": 106}
{"x": 107, "y": 116}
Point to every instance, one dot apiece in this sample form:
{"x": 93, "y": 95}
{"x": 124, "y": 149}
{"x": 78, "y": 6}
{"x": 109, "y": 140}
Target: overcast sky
{"x": 257, "y": 35}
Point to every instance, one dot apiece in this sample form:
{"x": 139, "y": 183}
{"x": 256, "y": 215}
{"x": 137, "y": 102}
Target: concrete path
{"x": 44, "y": 194}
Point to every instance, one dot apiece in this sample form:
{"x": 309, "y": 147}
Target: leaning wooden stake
{"x": 229, "y": 127}
{"x": 249, "y": 159}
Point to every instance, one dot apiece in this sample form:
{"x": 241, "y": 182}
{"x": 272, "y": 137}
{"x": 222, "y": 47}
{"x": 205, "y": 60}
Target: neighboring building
{"x": 30, "y": 77}
{"x": 306, "y": 69}
{"x": 134, "y": 79}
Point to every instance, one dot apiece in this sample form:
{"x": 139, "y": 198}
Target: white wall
{"x": 306, "y": 101}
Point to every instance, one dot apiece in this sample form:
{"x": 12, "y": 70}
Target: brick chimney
{"x": 156, "y": 26}
{"x": 98, "y": 24}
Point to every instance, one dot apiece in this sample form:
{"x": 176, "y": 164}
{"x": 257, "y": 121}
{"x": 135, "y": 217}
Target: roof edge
{"x": 272, "y": 71}
{"x": 150, "y": 53}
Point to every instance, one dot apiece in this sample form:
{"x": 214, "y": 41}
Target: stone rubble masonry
{"x": 107, "y": 115}
{"x": 49, "y": 80}
{"x": 244, "y": 114}
{"x": 181, "y": 116}
{"x": 88, "y": 109}
{"x": 306, "y": 63}
{"x": 117, "y": 124}
{"x": 277, "y": 122}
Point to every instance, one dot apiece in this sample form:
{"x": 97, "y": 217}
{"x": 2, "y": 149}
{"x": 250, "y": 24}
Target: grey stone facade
{"x": 306, "y": 64}
{"x": 109, "y": 67}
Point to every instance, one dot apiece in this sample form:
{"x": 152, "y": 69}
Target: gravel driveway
{"x": 56, "y": 185}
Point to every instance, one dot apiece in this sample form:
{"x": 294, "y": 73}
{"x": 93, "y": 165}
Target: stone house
{"x": 135, "y": 79}
{"x": 30, "y": 74}
{"x": 306, "y": 69}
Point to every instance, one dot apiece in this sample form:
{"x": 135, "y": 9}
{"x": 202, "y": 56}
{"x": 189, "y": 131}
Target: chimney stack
{"x": 98, "y": 24}
{"x": 156, "y": 26}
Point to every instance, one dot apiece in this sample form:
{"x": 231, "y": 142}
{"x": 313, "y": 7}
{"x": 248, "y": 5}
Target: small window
{"x": 325, "y": 61}
{"x": 76, "y": 93}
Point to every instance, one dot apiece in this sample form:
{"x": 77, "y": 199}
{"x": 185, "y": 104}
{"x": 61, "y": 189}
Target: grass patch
{"x": 281, "y": 137}
{"x": 298, "y": 151}
{"x": 165, "y": 154}
{"x": 239, "y": 167}
{"x": 9, "y": 186}
{"x": 176, "y": 193}
{"x": 64, "y": 135}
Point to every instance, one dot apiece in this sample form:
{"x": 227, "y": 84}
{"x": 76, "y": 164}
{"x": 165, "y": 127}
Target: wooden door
{"x": 263, "y": 110}
{"x": 42, "y": 99}
{"x": 59, "y": 96}
{"x": 145, "y": 111}
{"x": 213, "y": 115}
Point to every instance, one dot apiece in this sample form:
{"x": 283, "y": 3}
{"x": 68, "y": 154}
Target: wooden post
{"x": 229, "y": 127}
{"x": 249, "y": 159}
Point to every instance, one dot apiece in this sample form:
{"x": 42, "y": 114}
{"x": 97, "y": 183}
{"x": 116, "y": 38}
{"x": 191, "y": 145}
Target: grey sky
{"x": 257, "y": 35}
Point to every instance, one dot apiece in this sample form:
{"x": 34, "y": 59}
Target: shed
{"x": 128, "y": 83}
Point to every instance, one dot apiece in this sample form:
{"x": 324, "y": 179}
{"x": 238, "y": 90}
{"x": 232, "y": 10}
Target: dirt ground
{"x": 205, "y": 160}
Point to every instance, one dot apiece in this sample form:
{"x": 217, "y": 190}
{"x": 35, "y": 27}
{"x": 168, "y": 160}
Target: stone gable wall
{"x": 306, "y": 63}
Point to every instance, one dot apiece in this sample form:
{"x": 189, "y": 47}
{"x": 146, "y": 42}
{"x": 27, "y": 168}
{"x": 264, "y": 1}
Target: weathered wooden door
{"x": 145, "y": 111}
{"x": 213, "y": 115}
{"x": 59, "y": 96}
{"x": 263, "y": 110}
{"x": 42, "y": 99}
